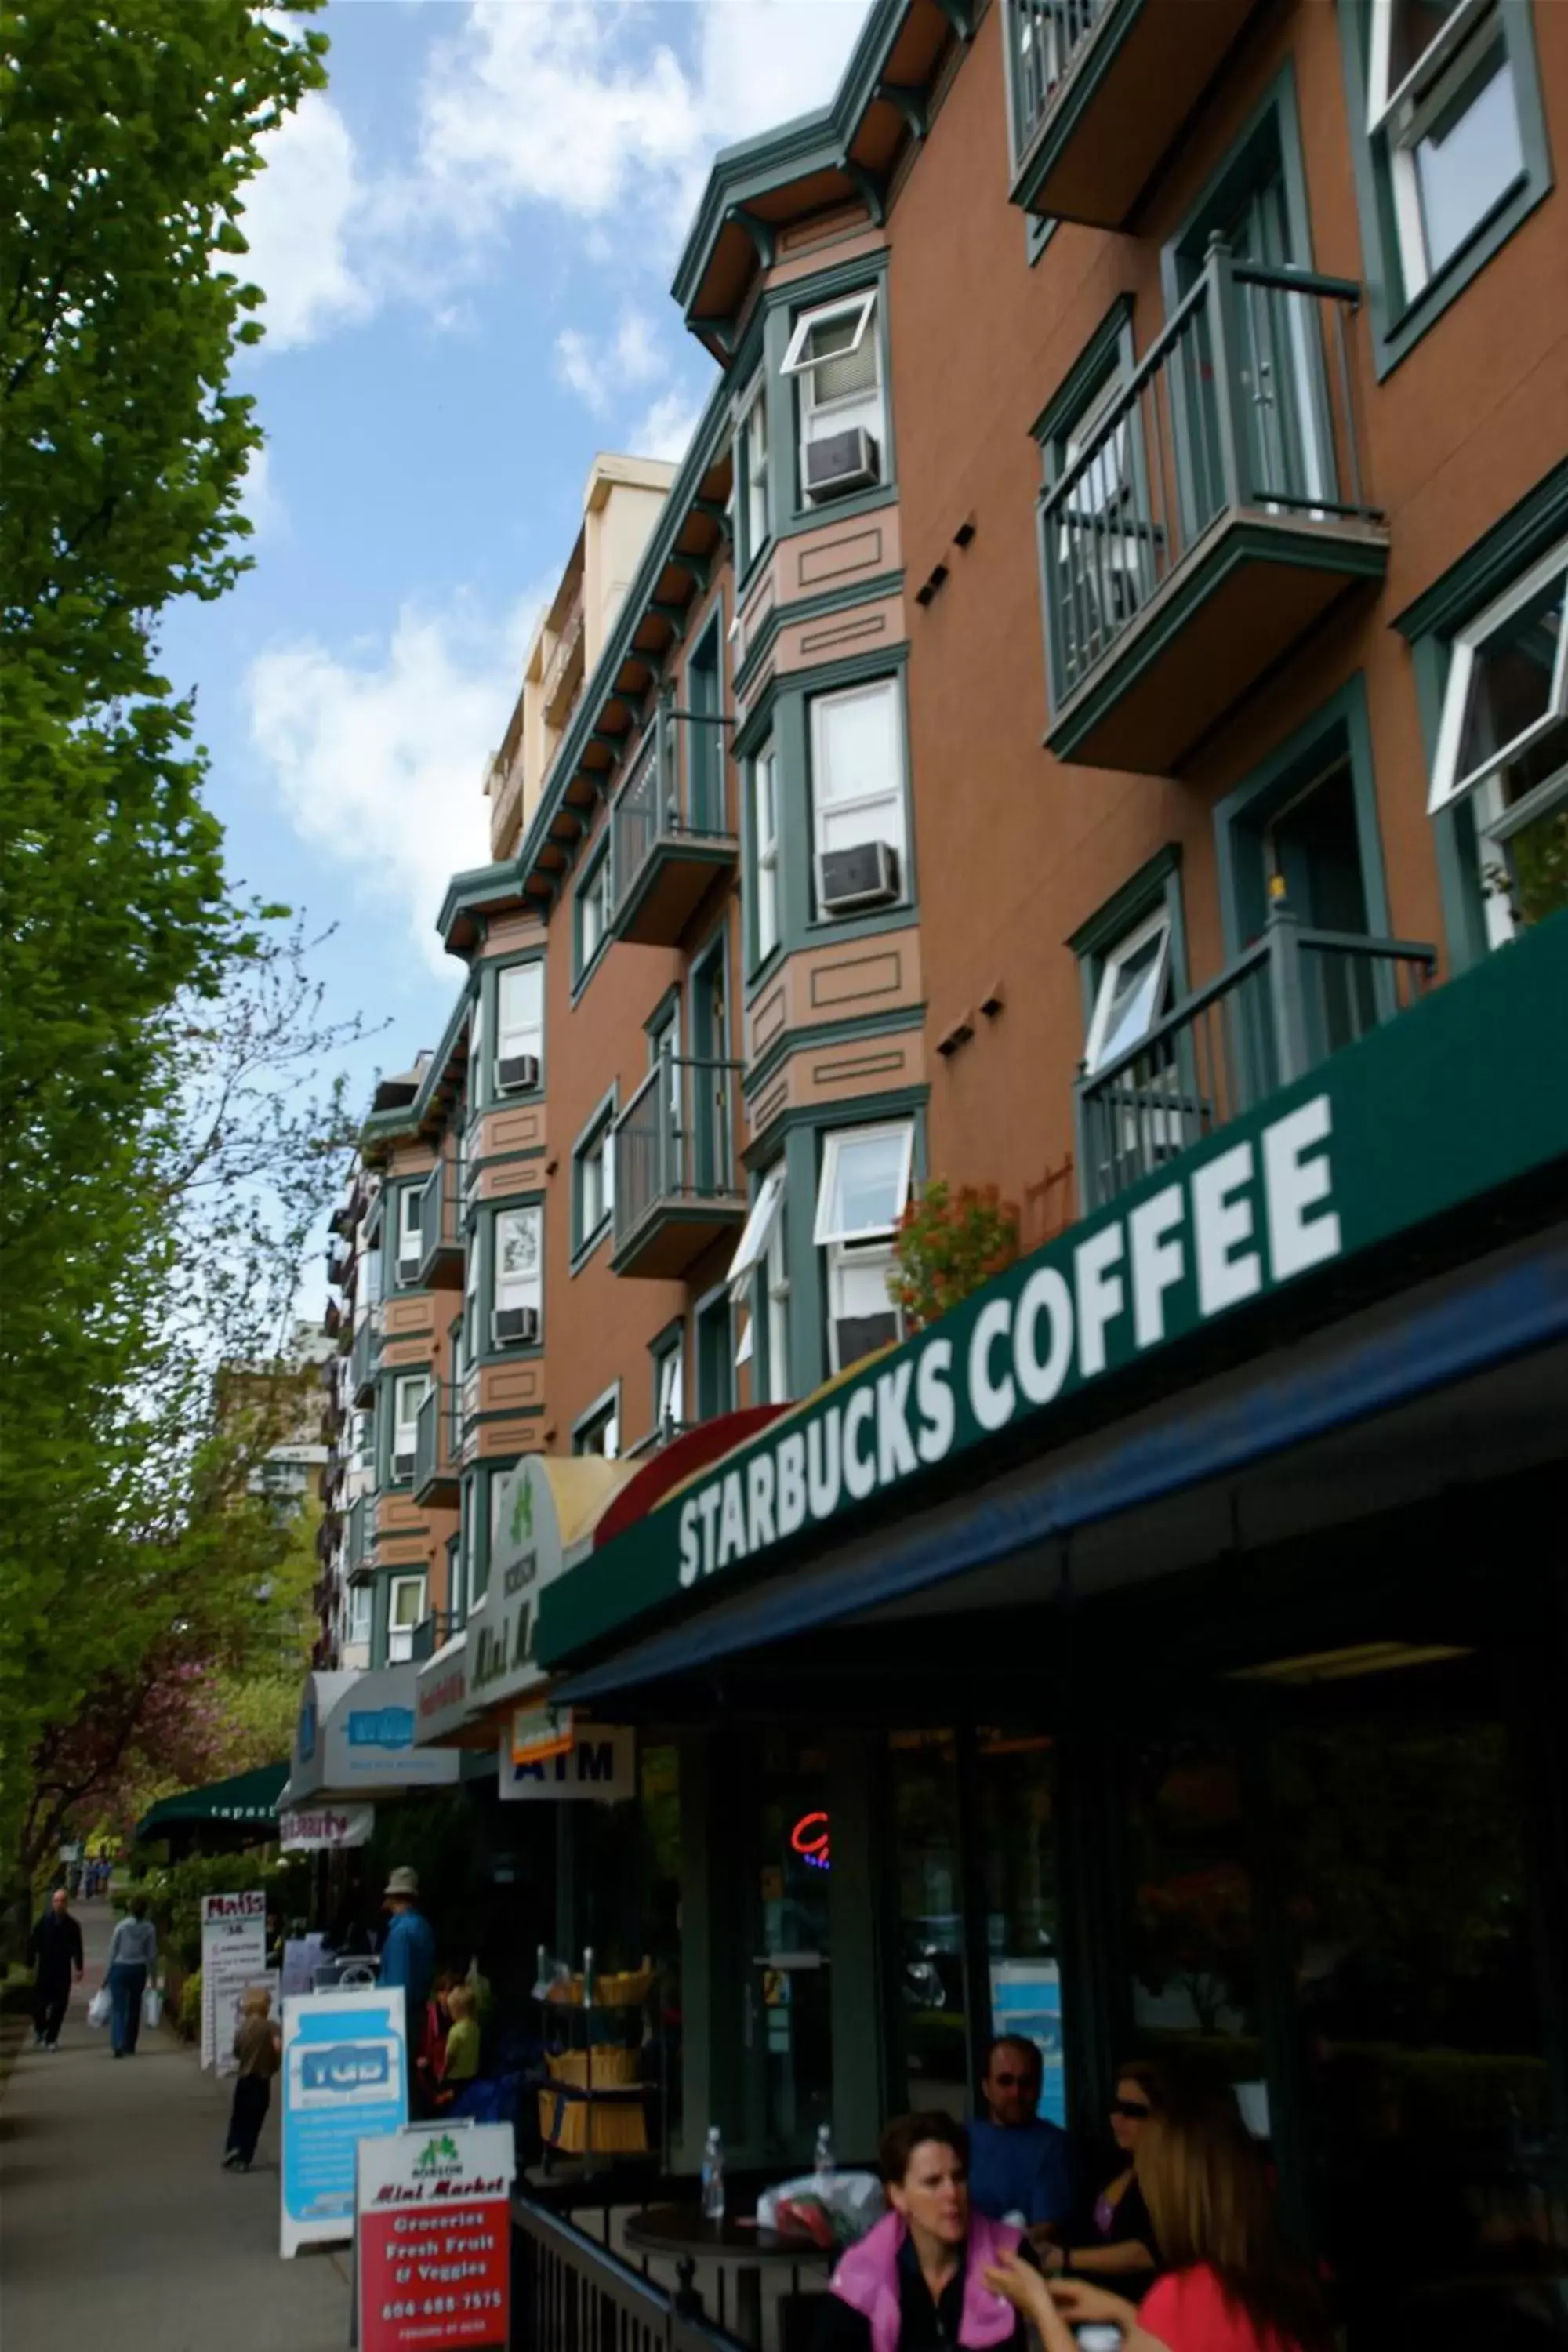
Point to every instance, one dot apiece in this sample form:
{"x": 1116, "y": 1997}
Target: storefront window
{"x": 933, "y": 2010}
{"x": 789, "y": 2025}
{"x": 1195, "y": 1990}
{"x": 1016, "y": 1779}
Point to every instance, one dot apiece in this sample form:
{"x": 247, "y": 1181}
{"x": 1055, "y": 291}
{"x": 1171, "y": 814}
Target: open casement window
{"x": 408, "y": 1394}
{"x": 766, "y": 837}
{"x": 595, "y": 1184}
{"x": 518, "y": 1294}
{"x": 762, "y": 1230}
{"x": 864, "y": 1188}
{"x": 857, "y": 798}
{"x": 753, "y": 508}
{"x": 410, "y": 1206}
{"x": 1133, "y": 992}
{"x": 1444, "y": 108}
{"x": 592, "y": 911}
{"x": 405, "y": 1610}
{"x": 835, "y": 356}
{"x": 602, "y": 1434}
{"x": 520, "y": 1025}
{"x": 669, "y": 1388}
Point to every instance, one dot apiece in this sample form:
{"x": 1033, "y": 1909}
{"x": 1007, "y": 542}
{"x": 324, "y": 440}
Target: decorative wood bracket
{"x": 910, "y": 101}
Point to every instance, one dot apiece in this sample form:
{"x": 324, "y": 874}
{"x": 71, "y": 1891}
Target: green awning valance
{"x": 249, "y": 1796}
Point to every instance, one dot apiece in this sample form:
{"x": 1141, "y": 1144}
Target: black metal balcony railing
{"x": 1242, "y": 407}
{"x": 431, "y": 1633}
{"x": 672, "y": 810}
{"x": 1045, "y": 37}
{"x": 675, "y": 1142}
{"x": 571, "y": 2291}
{"x": 440, "y": 1225}
{"x": 1285, "y": 1005}
{"x": 437, "y": 1443}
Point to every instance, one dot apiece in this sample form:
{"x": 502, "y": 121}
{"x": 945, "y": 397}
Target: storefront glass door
{"x": 788, "y": 2029}
{"x": 934, "y": 2010}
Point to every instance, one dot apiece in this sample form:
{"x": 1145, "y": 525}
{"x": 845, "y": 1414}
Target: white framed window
{"x": 669, "y": 1386}
{"x": 761, "y": 1245}
{"x": 765, "y": 835}
{"x": 593, "y": 910}
{"x": 475, "y": 1089}
{"x": 520, "y": 1025}
{"x": 594, "y": 1161}
{"x": 519, "y": 1286}
{"x": 754, "y": 1233}
{"x": 861, "y": 1315}
{"x": 1443, "y": 104}
{"x": 1507, "y": 695}
{"x": 471, "y": 1588}
{"x": 362, "y": 1439}
{"x": 409, "y": 1391}
{"x": 864, "y": 1182}
{"x": 405, "y": 1610}
{"x": 834, "y": 354}
{"x": 752, "y": 503}
{"x": 599, "y": 1432}
{"x": 410, "y": 1214}
{"x": 360, "y": 1602}
{"x": 471, "y": 1300}
{"x": 858, "y": 790}
{"x": 777, "y": 1307}
{"x": 1133, "y": 991}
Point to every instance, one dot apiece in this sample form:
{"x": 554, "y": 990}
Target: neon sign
{"x": 809, "y": 1838}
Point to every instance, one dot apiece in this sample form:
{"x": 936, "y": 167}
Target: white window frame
{"x": 841, "y": 412}
{"x": 471, "y": 1300}
{"x": 359, "y": 1612}
{"x": 761, "y": 1219}
{"x": 754, "y": 500}
{"x": 605, "y": 1413}
{"x": 517, "y": 1036}
{"x": 1156, "y": 923}
{"x": 476, "y": 1053}
{"x": 669, "y": 1386}
{"x": 594, "y": 894}
{"x": 405, "y": 1421}
{"x": 825, "y": 1233}
{"x": 886, "y": 797}
{"x": 468, "y": 1549}
{"x": 862, "y": 305}
{"x": 1447, "y": 786}
{"x": 399, "y": 1633}
{"x": 776, "y": 1303}
{"x": 846, "y": 1258}
{"x": 596, "y": 1150}
{"x": 765, "y": 833}
{"x": 518, "y": 1290}
{"x": 410, "y": 1239}
{"x": 1401, "y": 117}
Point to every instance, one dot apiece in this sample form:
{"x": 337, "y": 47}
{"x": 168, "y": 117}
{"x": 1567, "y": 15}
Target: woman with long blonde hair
{"x": 1230, "y": 2282}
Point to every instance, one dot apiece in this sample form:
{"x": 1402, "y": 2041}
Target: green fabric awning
{"x": 246, "y": 1796}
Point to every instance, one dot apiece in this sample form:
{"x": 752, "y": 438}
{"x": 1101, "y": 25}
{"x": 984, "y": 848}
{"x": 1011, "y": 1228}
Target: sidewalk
{"x": 118, "y": 2226}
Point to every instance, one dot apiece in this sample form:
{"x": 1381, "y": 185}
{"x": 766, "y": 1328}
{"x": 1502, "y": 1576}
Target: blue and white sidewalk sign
{"x": 346, "y": 2078}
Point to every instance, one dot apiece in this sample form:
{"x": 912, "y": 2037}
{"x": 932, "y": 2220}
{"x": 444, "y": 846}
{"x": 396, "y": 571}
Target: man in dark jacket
{"x": 55, "y": 1950}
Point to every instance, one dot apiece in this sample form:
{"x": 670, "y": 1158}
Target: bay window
{"x": 835, "y": 357}
{"x": 409, "y": 1391}
{"x": 405, "y": 1610}
{"x": 765, "y": 850}
{"x": 520, "y": 1026}
{"x": 857, "y": 798}
{"x": 863, "y": 1191}
{"x": 518, "y": 1293}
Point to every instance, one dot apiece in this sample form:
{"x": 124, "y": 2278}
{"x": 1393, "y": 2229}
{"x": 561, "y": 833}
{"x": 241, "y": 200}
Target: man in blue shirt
{"x": 1020, "y": 2167}
{"x": 408, "y": 1953}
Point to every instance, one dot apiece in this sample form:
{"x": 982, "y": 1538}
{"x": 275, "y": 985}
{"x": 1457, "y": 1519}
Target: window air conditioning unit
{"x": 516, "y": 1073}
{"x": 403, "y": 1464}
{"x": 517, "y": 1327}
{"x": 866, "y": 876}
{"x": 841, "y": 462}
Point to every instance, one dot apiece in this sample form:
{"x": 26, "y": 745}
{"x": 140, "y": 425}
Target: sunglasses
{"x": 1131, "y": 2111}
{"x": 1013, "y": 2081}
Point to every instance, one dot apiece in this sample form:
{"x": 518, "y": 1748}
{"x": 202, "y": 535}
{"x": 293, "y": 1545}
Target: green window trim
{"x": 1157, "y": 882}
{"x": 488, "y": 980}
{"x": 595, "y": 1128}
{"x": 1397, "y": 325}
{"x": 783, "y": 305}
{"x": 1271, "y": 135}
{"x": 595, "y": 863}
{"x": 484, "y": 1241}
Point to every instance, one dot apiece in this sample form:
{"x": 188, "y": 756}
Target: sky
{"x": 466, "y": 244}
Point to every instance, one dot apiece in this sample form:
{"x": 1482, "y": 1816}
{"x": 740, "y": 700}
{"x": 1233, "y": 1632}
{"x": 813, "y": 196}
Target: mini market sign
{"x": 1460, "y": 1095}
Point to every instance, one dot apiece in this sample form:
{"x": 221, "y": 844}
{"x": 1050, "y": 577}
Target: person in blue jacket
{"x": 408, "y": 1953}
{"x": 1020, "y": 2165}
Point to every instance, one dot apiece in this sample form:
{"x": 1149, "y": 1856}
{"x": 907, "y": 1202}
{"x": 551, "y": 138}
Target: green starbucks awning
{"x": 249, "y": 1796}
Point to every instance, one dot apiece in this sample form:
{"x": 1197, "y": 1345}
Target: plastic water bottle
{"x": 823, "y": 2164}
{"x": 713, "y": 2175}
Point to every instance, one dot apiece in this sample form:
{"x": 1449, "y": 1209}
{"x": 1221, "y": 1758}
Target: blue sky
{"x": 466, "y": 245}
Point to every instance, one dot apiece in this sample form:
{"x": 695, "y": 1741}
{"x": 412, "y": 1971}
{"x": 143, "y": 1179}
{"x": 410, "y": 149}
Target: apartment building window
{"x": 471, "y": 1589}
{"x": 405, "y": 1610}
{"x": 471, "y": 1338}
{"x": 765, "y": 841}
{"x": 362, "y": 1439}
{"x": 859, "y": 831}
{"x": 1134, "y": 992}
{"x": 752, "y": 500}
{"x": 593, "y": 908}
{"x": 861, "y": 1196}
{"x": 518, "y": 1293}
{"x": 1502, "y": 745}
{"x": 834, "y": 354}
{"x": 594, "y": 1179}
{"x": 520, "y": 1026}
{"x": 599, "y": 1429}
{"x": 669, "y": 1381}
{"x": 360, "y": 1599}
{"x": 410, "y": 1208}
{"x": 776, "y": 1310}
{"x": 474, "y": 1083}
{"x": 409, "y": 1391}
{"x": 764, "y": 1219}
{"x": 1454, "y": 152}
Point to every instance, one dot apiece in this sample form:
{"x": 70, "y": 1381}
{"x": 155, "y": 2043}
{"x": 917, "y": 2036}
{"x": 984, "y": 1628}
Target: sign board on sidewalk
{"x": 234, "y": 1955}
{"x": 600, "y": 1763}
{"x": 434, "y": 2244}
{"x": 345, "y": 2079}
{"x": 324, "y": 1829}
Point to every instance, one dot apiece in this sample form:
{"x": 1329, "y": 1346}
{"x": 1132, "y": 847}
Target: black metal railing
{"x": 675, "y": 1141}
{"x": 572, "y": 2295}
{"x": 1044, "y": 36}
{"x": 1242, "y": 406}
{"x": 1285, "y": 1005}
{"x": 677, "y": 793}
{"x": 431, "y": 1633}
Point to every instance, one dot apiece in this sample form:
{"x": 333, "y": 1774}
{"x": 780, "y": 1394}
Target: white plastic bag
{"x": 152, "y": 2006}
{"x": 99, "y": 2009}
{"x": 854, "y": 2200}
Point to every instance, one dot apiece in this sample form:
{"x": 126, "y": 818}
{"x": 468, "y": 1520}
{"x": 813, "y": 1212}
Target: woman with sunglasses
{"x": 1117, "y": 2241}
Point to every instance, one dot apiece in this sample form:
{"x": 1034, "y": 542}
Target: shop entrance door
{"x": 787, "y": 2019}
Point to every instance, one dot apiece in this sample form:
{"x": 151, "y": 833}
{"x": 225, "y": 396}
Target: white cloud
{"x": 597, "y": 369}
{"x": 579, "y": 370}
{"x": 301, "y": 211}
{"x": 666, "y": 431}
{"x": 378, "y": 758}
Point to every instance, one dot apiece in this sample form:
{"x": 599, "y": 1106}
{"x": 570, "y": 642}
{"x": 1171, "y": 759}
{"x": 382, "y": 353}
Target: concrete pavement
{"x": 118, "y": 2226}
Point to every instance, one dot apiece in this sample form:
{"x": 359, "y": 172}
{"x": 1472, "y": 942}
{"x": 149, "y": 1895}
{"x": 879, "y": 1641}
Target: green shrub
{"x": 188, "y": 2016}
{"x": 175, "y": 1894}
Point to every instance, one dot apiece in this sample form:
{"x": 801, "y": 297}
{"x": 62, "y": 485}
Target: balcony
{"x": 364, "y": 1359}
{"x": 671, "y": 835}
{"x": 677, "y": 1185}
{"x": 432, "y": 1634}
{"x": 563, "y": 670}
{"x": 1214, "y": 514}
{"x": 1100, "y": 92}
{"x": 438, "y": 1443}
{"x": 440, "y": 1228}
{"x": 1281, "y": 1009}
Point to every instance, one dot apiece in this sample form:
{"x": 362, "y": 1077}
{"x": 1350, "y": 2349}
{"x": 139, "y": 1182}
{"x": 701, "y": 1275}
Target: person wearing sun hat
{"x": 409, "y": 1952}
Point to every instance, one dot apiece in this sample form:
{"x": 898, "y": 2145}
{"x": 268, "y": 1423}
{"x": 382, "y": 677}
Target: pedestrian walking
{"x": 408, "y": 1953}
{"x": 258, "y": 2046}
{"x": 132, "y": 1949}
{"x": 54, "y": 1949}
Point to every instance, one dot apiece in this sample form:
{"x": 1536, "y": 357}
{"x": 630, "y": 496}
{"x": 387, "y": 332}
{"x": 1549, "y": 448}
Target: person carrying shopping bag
{"x": 132, "y": 1949}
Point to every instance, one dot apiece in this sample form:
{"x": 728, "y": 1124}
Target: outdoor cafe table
{"x": 682, "y": 2234}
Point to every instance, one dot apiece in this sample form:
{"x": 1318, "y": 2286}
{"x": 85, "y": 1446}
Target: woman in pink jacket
{"x": 916, "y": 2283}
